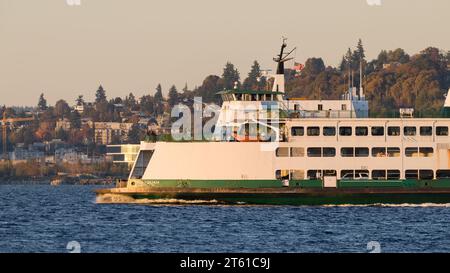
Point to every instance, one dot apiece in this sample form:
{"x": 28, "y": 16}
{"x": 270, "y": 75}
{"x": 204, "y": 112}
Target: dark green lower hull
{"x": 297, "y": 197}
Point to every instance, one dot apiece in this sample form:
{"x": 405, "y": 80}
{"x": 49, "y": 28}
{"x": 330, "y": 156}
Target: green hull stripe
{"x": 443, "y": 183}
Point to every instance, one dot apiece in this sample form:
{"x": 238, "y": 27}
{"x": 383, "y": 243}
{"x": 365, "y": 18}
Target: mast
{"x": 278, "y": 85}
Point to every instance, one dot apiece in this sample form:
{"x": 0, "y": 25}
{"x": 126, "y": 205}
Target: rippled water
{"x": 45, "y": 219}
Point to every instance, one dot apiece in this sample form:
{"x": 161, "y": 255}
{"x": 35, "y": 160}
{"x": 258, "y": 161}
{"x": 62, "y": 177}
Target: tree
{"x": 80, "y": 100}
{"x": 100, "y": 95}
{"x": 254, "y": 81}
{"x": 360, "y": 52}
{"x": 158, "y": 94}
{"x": 314, "y": 66}
{"x": 230, "y": 76}
{"x": 210, "y": 86}
{"x": 130, "y": 101}
{"x": 173, "y": 96}
{"x": 159, "y": 101}
{"x": 135, "y": 135}
{"x": 147, "y": 104}
{"x": 42, "y": 103}
{"x": 62, "y": 109}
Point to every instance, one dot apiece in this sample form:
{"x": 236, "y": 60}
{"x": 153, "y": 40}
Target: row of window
{"x": 364, "y": 131}
{"x": 362, "y": 174}
{"x": 354, "y": 152}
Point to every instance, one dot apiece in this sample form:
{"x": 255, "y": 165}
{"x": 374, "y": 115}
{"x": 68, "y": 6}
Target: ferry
{"x": 269, "y": 150}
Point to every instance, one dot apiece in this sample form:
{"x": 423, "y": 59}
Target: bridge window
{"x": 379, "y": 152}
{"x": 297, "y": 174}
{"x": 361, "y": 152}
{"x": 441, "y": 174}
{"x": 379, "y": 174}
{"x": 347, "y": 152}
{"x": 297, "y": 131}
{"x": 393, "y": 174}
{"x": 329, "y": 131}
{"x": 314, "y": 152}
{"x": 297, "y": 152}
{"x": 394, "y": 131}
{"x": 426, "y": 131}
{"x": 329, "y": 152}
{"x": 282, "y": 174}
{"x": 314, "y": 174}
{"x": 442, "y": 131}
{"x": 347, "y": 174}
{"x": 282, "y": 152}
{"x": 313, "y": 131}
{"x": 141, "y": 164}
{"x": 393, "y": 152}
{"x": 345, "y": 131}
{"x": 412, "y": 174}
{"x": 377, "y": 131}
{"x": 426, "y": 151}
{"x": 361, "y": 131}
{"x": 426, "y": 174}
{"x": 409, "y": 131}
{"x": 412, "y": 152}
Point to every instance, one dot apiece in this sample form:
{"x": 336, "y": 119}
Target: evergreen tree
{"x": 158, "y": 95}
{"x": 42, "y": 103}
{"x": 173, "y": 96}
{"x": 100, "y": 95}
{"x": 360, "y": 52}
{"x": 254, "y": 81}
{"x": 230, "y": 76}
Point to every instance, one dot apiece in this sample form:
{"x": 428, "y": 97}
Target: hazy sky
{"x": 132, "y": 45}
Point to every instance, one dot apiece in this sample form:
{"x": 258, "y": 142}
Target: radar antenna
{"x": 283, "y": 57}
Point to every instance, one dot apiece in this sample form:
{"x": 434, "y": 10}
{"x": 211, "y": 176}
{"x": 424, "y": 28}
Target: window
{"x": 440, "y": 174}
{"x": 329, "y": 173}
{"x": 282, "y": 152}
{"x": 297, "y": 152}
{"x": 314, "y": 174}
{"x": 297, "y": 174}
{"x": 361, "y": 152}
{"x": 345, "y": 131}
{"x": 393, "y": 152}
{"x": 282, "y": 174}
{"x": 409, "y": 131}
{"x": 361, "y": 131}
{"x": 379, "y": 152}
{"x": 426, "y": 152}
{"x": 344, "y": 107}
{"x": 314, "y": 152}
{"x": 379, "y": 174}
{"x": 442, "y": 131}
{"x": 393, "y": 174}
{"x": 329, "y": 152}
{"x": 329, "y": 131}
{"x": 320, "y": 107}
{"x": 297, "y": 131}
{"x": 362, "y": 174}
{"x": 412, "y": 152}
{"x": 426, "y": 131}
{"x": 377, "y": 131}
{"x": 141, "y": 164}
{"x": 394, "y": 131}
{"x": 426, "y": 174}
{"x": 313, "y": 131}
{"x": 411, "y": 174}
{"x": 347, "y": 152}
{"x": 347, "y": 174}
